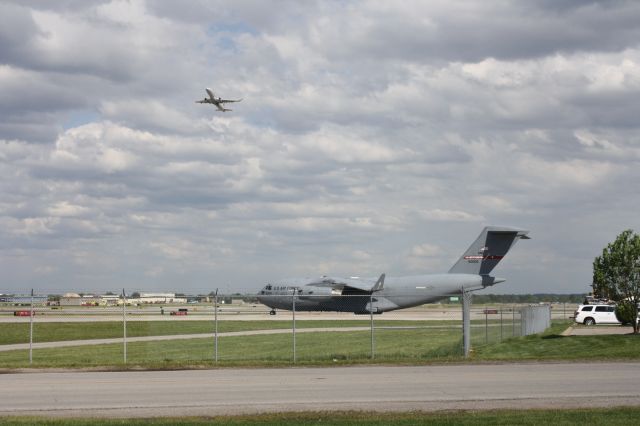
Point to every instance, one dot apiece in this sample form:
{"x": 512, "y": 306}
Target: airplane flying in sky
{"x": 218, "y": 102}
{"x": 377, "y": 295}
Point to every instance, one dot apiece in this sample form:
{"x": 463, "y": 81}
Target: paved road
{"x": 379, "y": 388}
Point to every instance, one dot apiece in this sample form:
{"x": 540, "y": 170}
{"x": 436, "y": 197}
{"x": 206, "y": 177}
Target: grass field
{"x": 59, "y": 331}
{"x": 411, "y": 345}
{"x": 606, "y": 416}
{"x": 325, "y": 347}
{"x": 552, "y": 346}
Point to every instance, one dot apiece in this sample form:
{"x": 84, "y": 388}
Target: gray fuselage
{"x": 371, "y": 295}
{"x": 398, "y": 293}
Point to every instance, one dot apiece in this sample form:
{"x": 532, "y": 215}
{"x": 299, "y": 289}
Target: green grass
{"x": 551, "y": 346}
{"x": 596, "y": 416}
{"x": 316, "y": 348}
{"x": 494, "y": 333}
{"x": 58, "y": 331}
{"x": 396, "y": 346}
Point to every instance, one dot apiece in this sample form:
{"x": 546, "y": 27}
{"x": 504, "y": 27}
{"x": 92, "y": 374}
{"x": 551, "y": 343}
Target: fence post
{"x": 486, "y": 326}
{"x": 31, "y": 330}
{"x": 466, "y": 322}
{"x": 371, "y": 318}
{"x": 293, "y": 299}
{"x": 501, "y": 338}
{"x": 124, "y": 325}
{"x": 513, "y": 321}
{"x": 215, "y": 313}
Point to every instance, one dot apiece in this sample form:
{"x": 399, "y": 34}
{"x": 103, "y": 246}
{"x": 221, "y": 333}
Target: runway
{"x": 430, "y": 312}
{"x": 371, "y": 388}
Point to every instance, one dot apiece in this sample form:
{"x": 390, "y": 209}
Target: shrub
{"x": 625, "y": 312}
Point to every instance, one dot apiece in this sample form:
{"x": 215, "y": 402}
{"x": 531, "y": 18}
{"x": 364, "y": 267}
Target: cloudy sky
{"x": 373, "y": 137}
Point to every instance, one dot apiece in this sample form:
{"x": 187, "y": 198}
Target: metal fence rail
{"x": 228, "y": 329}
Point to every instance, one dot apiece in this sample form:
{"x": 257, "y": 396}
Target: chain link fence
{"x": 118, "y": 330}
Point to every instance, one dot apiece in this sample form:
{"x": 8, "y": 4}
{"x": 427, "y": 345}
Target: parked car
{"x": 596, "y": 314}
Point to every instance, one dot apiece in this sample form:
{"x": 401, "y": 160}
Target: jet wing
{"x": 362, "y": 284}
{"x": 226, "y": 101}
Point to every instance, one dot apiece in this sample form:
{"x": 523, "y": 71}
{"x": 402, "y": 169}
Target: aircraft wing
{"x": 362, "y": 284}
{"x": 226, "y": 101}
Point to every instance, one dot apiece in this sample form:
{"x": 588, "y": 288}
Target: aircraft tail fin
{"x": 488, "y": 250}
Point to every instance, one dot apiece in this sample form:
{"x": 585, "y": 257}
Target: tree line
{"x": 616, "y": 276}
{"x": 529, "y": 298}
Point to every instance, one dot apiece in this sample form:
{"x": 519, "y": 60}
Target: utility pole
{"x": 31, "y": 331}
{"x": 466, "y": 322}
{"x": 124, "y": 325}
{"x": 215, "y": 313}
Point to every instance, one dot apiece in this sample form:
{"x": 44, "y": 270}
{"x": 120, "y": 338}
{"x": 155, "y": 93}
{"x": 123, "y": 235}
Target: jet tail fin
{"x": 488, "y": 250}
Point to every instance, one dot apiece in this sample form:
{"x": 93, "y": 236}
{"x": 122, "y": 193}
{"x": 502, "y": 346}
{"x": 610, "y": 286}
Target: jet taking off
{"x": 218, "y": 102}
{"x": 377, "y": 295}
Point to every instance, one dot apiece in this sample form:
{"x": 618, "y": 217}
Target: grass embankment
{"x": 603, "y": 416}
{"x": 552, "y": 346}
{"x": 392, "y": 346}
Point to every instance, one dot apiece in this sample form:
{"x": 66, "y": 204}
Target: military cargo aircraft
{"x": 382, "y": 294}
{"x": 218, "y": 102}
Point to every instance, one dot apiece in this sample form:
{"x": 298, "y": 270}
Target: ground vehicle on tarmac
{"x": 596, "y": 314}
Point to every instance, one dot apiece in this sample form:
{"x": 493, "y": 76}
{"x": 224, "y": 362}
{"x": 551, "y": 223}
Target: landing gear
{"x": 272, "y": 312}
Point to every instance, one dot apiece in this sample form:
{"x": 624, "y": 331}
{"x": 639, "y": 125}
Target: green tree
{"x": 616, "y": 273}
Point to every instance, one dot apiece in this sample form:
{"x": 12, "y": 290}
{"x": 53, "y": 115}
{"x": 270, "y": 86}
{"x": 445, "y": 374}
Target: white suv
{"x": 596, "y": 314}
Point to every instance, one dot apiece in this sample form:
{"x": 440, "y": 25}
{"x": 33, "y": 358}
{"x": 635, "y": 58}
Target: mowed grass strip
{"x": 552, "y": 346}
{"x": 415, "y": 346}
{"x": 315, "y": 348}
{"x": 11, "y": 333}
{"x": 595, "y": 416}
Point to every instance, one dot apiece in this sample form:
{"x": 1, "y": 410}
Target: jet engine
{"x": 318, "y": 294}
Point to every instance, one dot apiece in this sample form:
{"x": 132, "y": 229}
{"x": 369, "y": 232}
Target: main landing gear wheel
{"x": 272, "y": 312}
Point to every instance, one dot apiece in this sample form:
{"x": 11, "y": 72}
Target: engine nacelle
{"x": 317, "y": 294}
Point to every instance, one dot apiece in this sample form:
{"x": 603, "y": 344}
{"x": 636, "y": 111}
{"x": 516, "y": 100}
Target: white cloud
{"x": 449, "y": 215}
{"x": 64, "y": 208}
{"x": 424, "y": 258}
{"x": 425, "y": 250}
{"x": 366, "y": 129}
{"x": 37, "y": 226}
